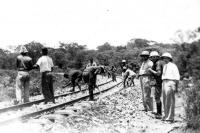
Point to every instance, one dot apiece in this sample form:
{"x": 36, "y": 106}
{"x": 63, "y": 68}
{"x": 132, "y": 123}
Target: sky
{"x": 94, "y": 22}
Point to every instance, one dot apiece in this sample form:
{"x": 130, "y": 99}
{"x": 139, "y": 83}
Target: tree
{"x": 106, "y": 46}
{"x": 74, "y": 54}
{"x": 137, "y": 43}
{"x": 34, "y": 50}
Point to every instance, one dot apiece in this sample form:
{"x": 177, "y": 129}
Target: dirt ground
{"x": 118, "y": 111}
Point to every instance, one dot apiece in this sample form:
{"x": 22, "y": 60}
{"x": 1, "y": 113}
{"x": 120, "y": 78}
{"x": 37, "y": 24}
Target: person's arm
{"x": 52, "y": 65}
{"x": 30, "y": 67}
{"x": 37, "y": 65}
{"x": 152, "y": 71}
{"x": 158, "y": 70}
{"x": 176, "y": 76}
{"x": 17, "y": 63}
{"x": 177, "y": 83}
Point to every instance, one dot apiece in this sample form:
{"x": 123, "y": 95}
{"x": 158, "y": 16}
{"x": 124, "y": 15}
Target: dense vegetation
{"x": 75, "y": 56}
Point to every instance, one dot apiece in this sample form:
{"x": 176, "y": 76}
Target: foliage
{"x": 192, "y": 108}
{"x": 106, "y": 46}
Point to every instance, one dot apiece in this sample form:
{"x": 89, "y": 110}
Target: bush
{"x": 192, "y": 108}
{"x": 8, "y": 78}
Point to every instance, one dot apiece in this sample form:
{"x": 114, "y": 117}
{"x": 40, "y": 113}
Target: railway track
{"x": 15, "y": 107}
{"x": 52, "y": 108}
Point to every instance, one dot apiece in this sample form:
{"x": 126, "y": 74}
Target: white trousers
{"x": 168, "y": 93}
{"x": 22, "y": 86}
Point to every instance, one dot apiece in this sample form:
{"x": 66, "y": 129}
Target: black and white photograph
{"x": 99, "y": 66}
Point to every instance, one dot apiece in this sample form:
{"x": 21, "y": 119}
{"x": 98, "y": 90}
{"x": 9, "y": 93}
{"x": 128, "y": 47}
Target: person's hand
{"x": 35, "y": 66}
{"x": 150, "y": 70}
{"x": 176, "y": 90}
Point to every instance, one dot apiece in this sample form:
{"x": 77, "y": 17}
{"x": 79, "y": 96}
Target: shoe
{"x": 170, "y": 121}
{"x": 15, "y": 102}
{"x": 71, "y": 90}
{"x": 154, "y": 113}
{"x": 145, "y": 110}
{"x": 163, "y": 118}
{"x": 91, "y": 100}
{"x": 158, "y": 116}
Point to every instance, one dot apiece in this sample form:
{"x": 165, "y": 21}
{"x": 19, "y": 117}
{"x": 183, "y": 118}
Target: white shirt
{"x": 91, "y": 65}
{"x": 144, "y": 68}
{"x": 131, "y": 73}
{"x": 170, "y": 71}
{"x": 45, "y": 63}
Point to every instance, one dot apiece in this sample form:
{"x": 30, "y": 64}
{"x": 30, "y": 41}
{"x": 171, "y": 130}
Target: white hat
{"x": 23, "y": 49}
{"x": 123, "y": 60}
{"x": 154, "y": 53}
{"x": 144, "y": 53}
{"x": 167, "y": 55}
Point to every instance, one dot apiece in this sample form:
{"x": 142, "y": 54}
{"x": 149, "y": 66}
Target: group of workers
{"x": 161, "y": 73}
{"x": 24, "y": 65}
{"x": 45, "y": 64}
{"x": 156, "y": 71}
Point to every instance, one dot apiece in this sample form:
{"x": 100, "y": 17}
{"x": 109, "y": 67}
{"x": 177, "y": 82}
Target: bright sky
{"x": 94, "y": 22}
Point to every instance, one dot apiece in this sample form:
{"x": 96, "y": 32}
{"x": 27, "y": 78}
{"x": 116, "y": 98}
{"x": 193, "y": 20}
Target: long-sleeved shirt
{"x": 170, "y": 71}
{"x": 144, "y": 68}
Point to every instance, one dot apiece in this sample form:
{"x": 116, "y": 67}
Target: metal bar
{"x": 50, "y": 109}
{"x": 39, "y": 101}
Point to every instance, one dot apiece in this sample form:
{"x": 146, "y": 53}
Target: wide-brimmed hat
{"x": 123, "y": 60}
{"x": 23, "y": 49}
{"x": 144, "y": 53}
{"x": 168, "y": 55}
{"x": 153, "y": 54}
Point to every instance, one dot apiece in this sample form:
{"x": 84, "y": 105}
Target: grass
{"x": 7, "y": 83}
{"x": 192, "y": 108}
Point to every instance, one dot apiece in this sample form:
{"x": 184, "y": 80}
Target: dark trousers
{"x": 47, "y": 87}
{"x": 158, "y": 92}
{"x": 90, "y": 78}
{"x": 113, "y": 76}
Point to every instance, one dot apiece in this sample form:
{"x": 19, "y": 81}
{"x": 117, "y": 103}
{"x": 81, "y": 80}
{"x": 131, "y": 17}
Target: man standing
{"x": 24, "y": 65}
{"x": 156, "y": 72}
{"x": 45, "y": 64}
{"x": 170, "y": 79}
{"x": 144, "y": 75}
{"x": 113, "y": 70}
{"x": 124, "y": 67}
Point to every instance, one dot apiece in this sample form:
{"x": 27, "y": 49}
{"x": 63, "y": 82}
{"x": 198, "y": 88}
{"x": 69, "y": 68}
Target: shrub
{"x": 192, "y": 107}
{"x": 8, "y": 78}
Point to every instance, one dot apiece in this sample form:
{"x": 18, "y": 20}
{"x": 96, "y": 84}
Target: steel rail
{"x": 14, "y": 107}
{"x": 51, "y": 109}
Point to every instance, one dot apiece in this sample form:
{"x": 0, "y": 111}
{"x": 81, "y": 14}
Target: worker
{"x": 45, "y": 64}
{"x": 124, "y": 67}
{"x": 24, "y": 65}
{"x": 144, "y": 76}
{"x": 113, "y": 70}
{"x": 129, "y": 75}
{"x": 170, "y": 83}
{"x": 156, "y": 72}
{"x": 91, "y": 63}
{"x": 89, "y": 77}
{"x": 75, "y": 76}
